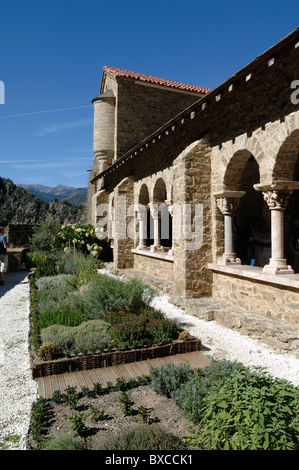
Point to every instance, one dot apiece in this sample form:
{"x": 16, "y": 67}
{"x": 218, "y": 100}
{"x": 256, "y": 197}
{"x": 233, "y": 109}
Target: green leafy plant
{"x": 38, "y": 418}
{"x": 143, "y": 414}
{"x": 78, "y": 422}
{"x": 44, "y": 235}
{"x": 190, "y": 394}
{"x": 96, "y": 413}
{"x": 251, "y": 411}
{"x": 54, "y": 282}
{"x": 71, "y": 397}
{"x": 98, "y": 388}
{"x": 126, "y": 403}
{"x": 89, "y": 335}
{"x": 58, "y": 396}
{"x": 108, "y": 294}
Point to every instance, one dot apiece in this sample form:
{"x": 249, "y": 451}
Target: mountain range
{"x": 60, "y": 192}
{"x": 19, "y": 205}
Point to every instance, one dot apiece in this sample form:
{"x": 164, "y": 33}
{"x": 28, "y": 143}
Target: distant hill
{"x": 19, "y": 205}
{"x": 60, "y": 192}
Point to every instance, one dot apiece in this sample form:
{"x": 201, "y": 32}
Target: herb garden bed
{"x": 94, "y": 361}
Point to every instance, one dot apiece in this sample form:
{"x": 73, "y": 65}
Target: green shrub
{"x": 190, "y": 395}
{"x": 63, "y": 442}
{"x": 147, "y": 327}
{"x": 84, "y": 238}
{"x": 43, "y": 262}
{"x": 144, "y": 437}
{"x": 108, "y": 294}
{"x": 48, "y": 297}
{"x": 60, "y": 334}
{"x": 166, "y": 379}
{"x": 251, "y": 411}
{"x": 92, "y": 334}
{"x": 62, "y": 281}
{"x": 38, "y": 419}
{"x": 65, "y": 313}
{"x": 44, "y": 235}
{"x": 49, "y": 351}
{"x": 80, "y": 265}
{"x": 89, "y": 335}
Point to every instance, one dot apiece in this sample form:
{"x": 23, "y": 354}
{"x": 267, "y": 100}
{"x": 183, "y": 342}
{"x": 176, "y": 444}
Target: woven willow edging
{"x": 113, "y": 358}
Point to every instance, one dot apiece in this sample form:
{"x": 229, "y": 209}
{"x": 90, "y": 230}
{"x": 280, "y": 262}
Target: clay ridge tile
{"x": 156, "y": 80}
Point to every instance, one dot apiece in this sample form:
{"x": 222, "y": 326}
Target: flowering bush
{"x": 84, "y": 238}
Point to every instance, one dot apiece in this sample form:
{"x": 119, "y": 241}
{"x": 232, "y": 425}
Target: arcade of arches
{"x": 209, "y": 202}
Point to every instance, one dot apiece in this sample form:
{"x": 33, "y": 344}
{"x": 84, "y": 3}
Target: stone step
{"x": 276, "y": 333}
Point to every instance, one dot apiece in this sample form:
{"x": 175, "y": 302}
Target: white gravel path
{"x": 17, "y": 389}
{"x": 224, "y": 343}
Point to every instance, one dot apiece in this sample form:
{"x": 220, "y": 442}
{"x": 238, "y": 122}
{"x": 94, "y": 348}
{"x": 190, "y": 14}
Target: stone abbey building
{"x": 201, "y": 187}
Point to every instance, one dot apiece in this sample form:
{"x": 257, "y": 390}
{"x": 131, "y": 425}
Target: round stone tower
{"x": 103, "y": 135}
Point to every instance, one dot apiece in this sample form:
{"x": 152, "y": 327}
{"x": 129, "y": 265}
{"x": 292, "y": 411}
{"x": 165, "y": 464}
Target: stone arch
{"x": 143, "y": 197}
{"x": 286, "y": 158}
{"x": 159, "y": 191}
{"x": 235, "y": 170}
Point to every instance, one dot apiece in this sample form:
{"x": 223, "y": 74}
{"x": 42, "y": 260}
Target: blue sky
{"x": 52, "y": 54}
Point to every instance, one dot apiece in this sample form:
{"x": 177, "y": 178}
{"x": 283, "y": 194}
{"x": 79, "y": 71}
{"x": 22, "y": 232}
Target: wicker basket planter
{"x": 94, "y": 361}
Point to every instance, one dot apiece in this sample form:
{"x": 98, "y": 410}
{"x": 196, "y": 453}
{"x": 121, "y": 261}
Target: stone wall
{"x": 161, "y": 268}
{"x": 141, "y": 109}
{"x": 19, "y": 234}
{"x": 271, "y": 300}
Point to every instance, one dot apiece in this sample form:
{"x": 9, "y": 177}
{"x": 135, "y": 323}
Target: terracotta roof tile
{"x": 156, "y": 80}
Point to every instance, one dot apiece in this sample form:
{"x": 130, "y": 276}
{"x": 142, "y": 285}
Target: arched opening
{"x": 163, "y": 214}
{"x": 251, "y": 223}
{"x": 291, "y": 224}
{"x": 146, "y": 216}
{"x": 286, "y": 170}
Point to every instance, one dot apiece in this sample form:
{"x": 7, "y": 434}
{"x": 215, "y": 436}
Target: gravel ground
{"x": 224, "y": 343}
{"x": 18, "y": 391}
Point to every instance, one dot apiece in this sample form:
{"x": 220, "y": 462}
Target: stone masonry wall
{"x": 143, "y": 109}
{"x": 155, "y": 267}
{"x": 279, "y": 303}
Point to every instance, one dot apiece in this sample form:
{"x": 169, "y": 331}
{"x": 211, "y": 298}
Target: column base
{"x": 154, "y": 248}
{"x": 278, "y": 266}
{"x": 229, "y": 258}
{"x": 142, "y": 247}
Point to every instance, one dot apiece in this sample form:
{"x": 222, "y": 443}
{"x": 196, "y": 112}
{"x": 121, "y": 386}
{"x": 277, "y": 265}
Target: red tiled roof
{"x": 156, "y": 80}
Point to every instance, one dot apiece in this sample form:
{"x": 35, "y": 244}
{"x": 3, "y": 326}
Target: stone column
{"x": 228, "y": 202}
{"x": 277, "y": 202}
{"x": 277, "y": 195}
{"x": 170, "y": 210}
{"x": 142, "y": 221}
{"x": 156, "y": 215}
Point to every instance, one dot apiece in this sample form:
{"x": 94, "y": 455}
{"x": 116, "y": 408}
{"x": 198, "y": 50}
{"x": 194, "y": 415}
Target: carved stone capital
{"x": 169, "y": 206}
{"x": 276, "y": 199}
{"x": 227, "y": 205}
{"x": 154, "y": 208}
